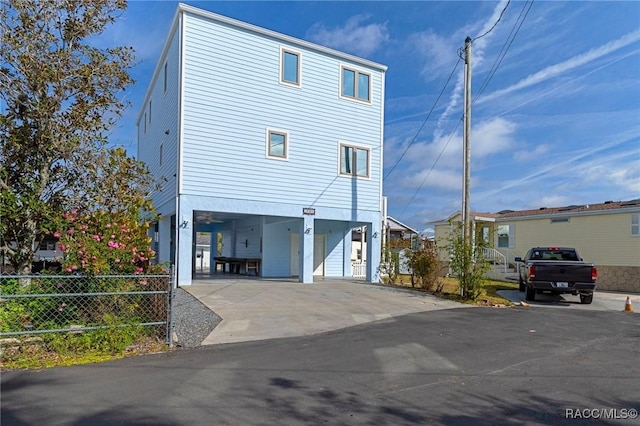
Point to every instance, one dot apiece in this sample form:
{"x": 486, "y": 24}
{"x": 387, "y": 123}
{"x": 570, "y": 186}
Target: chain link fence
{"x": 38, "y": 304}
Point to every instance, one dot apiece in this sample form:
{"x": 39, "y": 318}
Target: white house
{"x": 272, "y": 142}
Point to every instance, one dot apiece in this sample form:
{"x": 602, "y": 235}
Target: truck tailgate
{"x": 563, "y": 271}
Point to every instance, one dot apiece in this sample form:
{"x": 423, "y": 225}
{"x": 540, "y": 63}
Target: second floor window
{"x": 290, "y": 67}
{"x": 277, "y": 144}
{"x": 354, "y": 161}
{"x": 164, "y": 79}
{"x": 356, "y": 84}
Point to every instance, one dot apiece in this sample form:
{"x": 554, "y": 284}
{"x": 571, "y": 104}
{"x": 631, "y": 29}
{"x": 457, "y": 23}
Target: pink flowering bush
{"x": 105, "y": 243}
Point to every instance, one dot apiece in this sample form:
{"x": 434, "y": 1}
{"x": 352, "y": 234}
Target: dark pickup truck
{"x": 556, "y": 270}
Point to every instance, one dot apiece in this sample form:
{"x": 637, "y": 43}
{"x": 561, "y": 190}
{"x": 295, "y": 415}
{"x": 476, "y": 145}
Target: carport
{"x": 230, "y": 244}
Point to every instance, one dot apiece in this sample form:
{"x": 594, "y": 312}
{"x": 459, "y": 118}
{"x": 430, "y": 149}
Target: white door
{"x": 295, "y": 255}
{"x": 318, "y": 254}
{"x": 319, "y": 242}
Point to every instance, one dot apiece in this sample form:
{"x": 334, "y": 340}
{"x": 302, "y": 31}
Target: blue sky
{"x": 556, "y": 89}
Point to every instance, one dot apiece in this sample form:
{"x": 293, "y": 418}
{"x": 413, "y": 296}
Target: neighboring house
{"x": 271, "y": 142}
{"x": 606, "y": 234}
{"x": 398, "y": 235}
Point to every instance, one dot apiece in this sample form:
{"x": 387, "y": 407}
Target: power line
{"x": 496, "y": 23}
{"x": 503, "y": 52}
{"x": 431, "y": 169}
{"x": 424, "y": 122}
{"x": 492, "y": 72}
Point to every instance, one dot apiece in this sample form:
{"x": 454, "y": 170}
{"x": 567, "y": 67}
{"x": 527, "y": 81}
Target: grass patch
{"x": 38, "y": 356}
{"x": 451, "y": 291}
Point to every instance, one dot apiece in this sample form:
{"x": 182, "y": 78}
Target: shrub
{"x": 424, "y": 267}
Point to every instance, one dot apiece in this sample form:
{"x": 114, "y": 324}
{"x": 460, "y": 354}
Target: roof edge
{"x": 182, "y": 7}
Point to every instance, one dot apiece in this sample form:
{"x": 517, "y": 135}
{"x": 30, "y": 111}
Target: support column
{"x": 346, "y": 255}
{"x": 184, "y": 224}
{"x": 306, "y": 249}
{"x": 374, "y": 243}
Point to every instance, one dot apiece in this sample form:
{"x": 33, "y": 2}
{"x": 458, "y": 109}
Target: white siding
{"x": 232, "y": 95}
{"x": 163, "y": 128}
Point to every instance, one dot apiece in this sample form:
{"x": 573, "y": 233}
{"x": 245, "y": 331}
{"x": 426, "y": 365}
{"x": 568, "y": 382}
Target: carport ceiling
{"x": 216, "y": 217}
{"x": 205, "y": 217}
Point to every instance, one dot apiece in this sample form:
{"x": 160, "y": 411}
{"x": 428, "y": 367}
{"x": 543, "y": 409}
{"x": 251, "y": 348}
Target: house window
{"x": 560, "y": 220}
{"x": 356, "y": 85}
{"x": 354, "y": 161}
{"x": 290, "y": 67}
{"x": 485, "y": 234}
{"x": 277, "y": 144}
{"x": 505, "y": 236}
{"x": 164, "y": 80}
{"x": 635, "y": 224}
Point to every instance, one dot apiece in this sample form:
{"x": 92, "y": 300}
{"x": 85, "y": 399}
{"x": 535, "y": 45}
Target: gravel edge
{"x": 192, "y": 321}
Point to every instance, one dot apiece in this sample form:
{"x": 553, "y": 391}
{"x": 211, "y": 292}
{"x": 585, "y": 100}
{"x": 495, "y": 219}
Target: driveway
{"x": 257, "y": 309}
{"x": 602, "y": 300}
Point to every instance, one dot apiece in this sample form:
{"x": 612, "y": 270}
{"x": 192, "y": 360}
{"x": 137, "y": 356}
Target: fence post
{"x": 171, "y": 294}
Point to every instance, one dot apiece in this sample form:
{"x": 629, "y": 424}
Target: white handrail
{"x": 493, "y": 255}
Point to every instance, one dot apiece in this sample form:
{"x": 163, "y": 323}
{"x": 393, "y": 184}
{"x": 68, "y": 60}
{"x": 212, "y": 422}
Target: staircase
{"x": 500, "y": 268}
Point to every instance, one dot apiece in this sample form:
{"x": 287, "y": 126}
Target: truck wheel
{"x": 531, "y": 294}
{"x": 586, "y": 299}
{"x": 520, "y": 284}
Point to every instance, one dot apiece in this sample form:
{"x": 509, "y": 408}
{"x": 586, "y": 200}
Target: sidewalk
{"x": 265, "y": 309}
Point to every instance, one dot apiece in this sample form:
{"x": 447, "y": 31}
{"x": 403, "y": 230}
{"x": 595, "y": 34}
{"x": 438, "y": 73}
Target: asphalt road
{"x": 461, "y": 366}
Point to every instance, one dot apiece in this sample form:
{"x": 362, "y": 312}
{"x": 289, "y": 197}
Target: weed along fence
{"x": 131, "y": 305}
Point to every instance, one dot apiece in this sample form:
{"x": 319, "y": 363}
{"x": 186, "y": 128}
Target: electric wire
{"x": 453, "y": 132}
{"x": 503, "y": 52}
{"x": 424, "y": 122}
{"x": 501, "y": 55}
{"x": 495, "y": 24}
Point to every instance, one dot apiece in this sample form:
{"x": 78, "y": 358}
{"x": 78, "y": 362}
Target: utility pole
{"x": 466, "y": 167}
{"x": 466, "y": 184}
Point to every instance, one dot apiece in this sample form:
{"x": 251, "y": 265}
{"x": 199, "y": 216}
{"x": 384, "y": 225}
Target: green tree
{"x": 61, "y": 94}
{"x": 467, "y": 263}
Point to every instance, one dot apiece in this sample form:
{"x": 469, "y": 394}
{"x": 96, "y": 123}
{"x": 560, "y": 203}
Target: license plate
{"x": 562, "y": 284}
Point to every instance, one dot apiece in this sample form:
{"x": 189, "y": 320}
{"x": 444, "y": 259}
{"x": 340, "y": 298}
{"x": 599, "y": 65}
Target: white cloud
{"x": 492, "y": 136}
{"x": 354, "y": 36}
{"x": 531, "y": 154}
{"x": 447, "y": 179}
{"x": 568, "y": 65}
{"x": 436, "y": 50}
{"x": 628, "y": 177}
{"x": 551, "y": 201}
{"x": 620, "y": 169}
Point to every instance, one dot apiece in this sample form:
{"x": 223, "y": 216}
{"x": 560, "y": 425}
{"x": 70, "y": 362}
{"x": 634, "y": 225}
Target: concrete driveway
{"x": 257, "y": 309}
{"x": 602, "y": 300}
